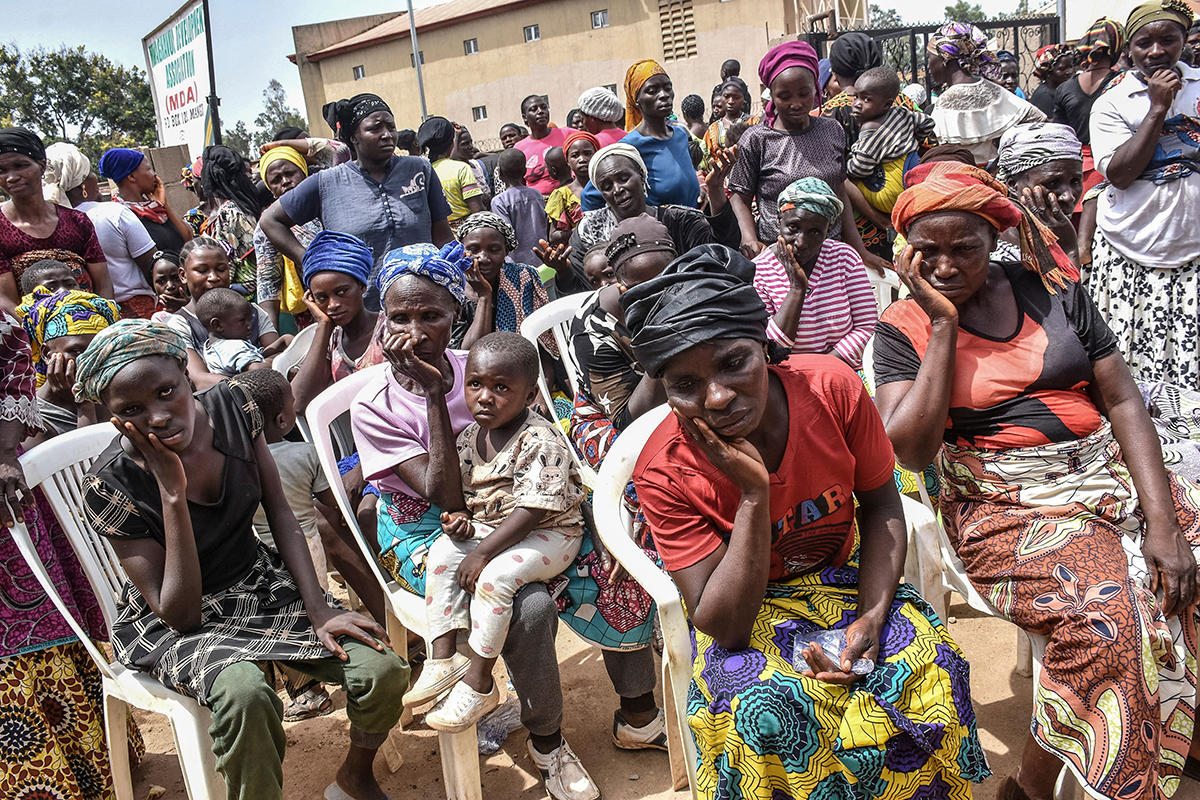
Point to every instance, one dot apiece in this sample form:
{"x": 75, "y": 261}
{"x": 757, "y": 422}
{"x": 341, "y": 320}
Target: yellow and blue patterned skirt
{"x": 906, "y": 730}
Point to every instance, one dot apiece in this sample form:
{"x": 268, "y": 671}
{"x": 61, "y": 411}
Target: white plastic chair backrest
{"x": 884, "y": 287}
{"x": 322, "y": 412}
{"x": 296, "y": 351}
{"x": 556, "y": 317}
{"x": 617, "y": 471}
{"x": 868, "y": 363}
{"x": 58, "y": 466}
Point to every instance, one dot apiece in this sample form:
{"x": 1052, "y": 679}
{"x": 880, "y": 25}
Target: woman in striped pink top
{"x": 815, "y": 289}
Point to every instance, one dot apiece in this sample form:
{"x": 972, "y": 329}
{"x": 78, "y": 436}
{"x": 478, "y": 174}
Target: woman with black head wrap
{"x": 226, "y": 181}
{"x": 850, "y": 55}
{"x": 386, "y": 200}
{"x": 28, "y": 221}
{"x": 437, "y": 137}
{"x": 749, "y": 493}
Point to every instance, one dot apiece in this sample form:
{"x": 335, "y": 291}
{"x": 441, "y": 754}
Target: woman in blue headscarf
{"x": 141, "y": 191}
{"x": 336, "y": 269}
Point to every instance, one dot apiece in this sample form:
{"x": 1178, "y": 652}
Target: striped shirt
{"x": 839, "y": 312}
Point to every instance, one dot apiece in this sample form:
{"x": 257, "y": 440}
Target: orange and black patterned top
{"x": 1027, "y": 389}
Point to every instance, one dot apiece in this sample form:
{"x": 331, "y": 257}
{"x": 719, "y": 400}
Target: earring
{"x": 85, "y": 194}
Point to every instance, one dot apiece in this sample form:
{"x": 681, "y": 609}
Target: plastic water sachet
{"x": 833, "y": 643}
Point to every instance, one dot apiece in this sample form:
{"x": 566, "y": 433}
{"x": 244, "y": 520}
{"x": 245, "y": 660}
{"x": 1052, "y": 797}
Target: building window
{"x": 479, "y": 113}
{"x": 470, "y": 47}
{"x": 413, "y": 61}
{"x": 359, "y": 73}
{"x": 600, "y": 18}
{"x": 532, "y": 33}
{"x": 678, "y": 28}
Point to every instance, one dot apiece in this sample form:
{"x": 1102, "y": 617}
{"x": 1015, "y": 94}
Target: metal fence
{"x": 904, "y": 48}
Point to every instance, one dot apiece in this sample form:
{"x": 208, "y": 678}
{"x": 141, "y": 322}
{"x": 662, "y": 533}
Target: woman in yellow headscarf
{"x": 279, "y": 287}
{"x": 60, "y": 326}
{"x": 649, "y": 100}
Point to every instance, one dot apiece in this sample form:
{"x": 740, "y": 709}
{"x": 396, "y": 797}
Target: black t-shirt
{"x": 1073, "y": 106}
{"x": 1043, "y": 98}
{"x": 122, "y": 500}
{"x": 164, "y": 234}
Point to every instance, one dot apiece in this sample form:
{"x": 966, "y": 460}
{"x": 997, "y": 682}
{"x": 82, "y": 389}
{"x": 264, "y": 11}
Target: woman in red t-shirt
{"x": 30, "y": 222}
{"x": 749, "y": 492}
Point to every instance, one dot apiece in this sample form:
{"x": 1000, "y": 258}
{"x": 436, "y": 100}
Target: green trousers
{"x": 247, "y": 729}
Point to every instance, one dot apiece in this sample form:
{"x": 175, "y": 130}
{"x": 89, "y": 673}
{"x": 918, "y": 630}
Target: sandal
{"x": 315, "y": 702}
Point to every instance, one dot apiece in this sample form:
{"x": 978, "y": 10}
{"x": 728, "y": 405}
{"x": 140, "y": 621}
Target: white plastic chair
{"x": 556, "y": 317}
{"x": 405, "y": 611}
{"x": 615, "y": 529}
{"x": 58, "y": 466}
{"x": 885, "y": 286}
{"x": 291, "y": 356}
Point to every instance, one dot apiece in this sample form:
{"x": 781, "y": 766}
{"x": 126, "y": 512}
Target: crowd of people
{"x": 1038, "y": 374}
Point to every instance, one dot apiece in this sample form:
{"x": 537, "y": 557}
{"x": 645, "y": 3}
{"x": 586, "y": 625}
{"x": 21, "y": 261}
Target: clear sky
{"x": 251, "y": 38}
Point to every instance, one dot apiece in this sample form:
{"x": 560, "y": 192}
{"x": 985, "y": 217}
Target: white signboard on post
{"x": 177, "y": 68}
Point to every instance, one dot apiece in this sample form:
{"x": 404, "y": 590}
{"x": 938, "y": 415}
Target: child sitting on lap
{"x": 522, "y": 525}
{"x": 228, "y": 318}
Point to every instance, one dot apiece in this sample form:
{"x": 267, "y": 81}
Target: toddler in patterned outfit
{"x": 522, "y": 524}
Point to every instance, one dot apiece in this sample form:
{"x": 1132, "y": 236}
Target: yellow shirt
{"x": 458, "y": 184}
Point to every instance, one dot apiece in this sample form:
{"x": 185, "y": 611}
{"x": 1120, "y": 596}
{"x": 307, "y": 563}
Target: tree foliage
{"x": 240, "y": 139}
{"x": 276, "y": 114}
{"x": 963, "y": 11}
{"x": 70, "y": 94}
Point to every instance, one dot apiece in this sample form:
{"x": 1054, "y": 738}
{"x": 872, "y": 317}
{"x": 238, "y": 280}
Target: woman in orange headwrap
{"x": 1000, "y": 370}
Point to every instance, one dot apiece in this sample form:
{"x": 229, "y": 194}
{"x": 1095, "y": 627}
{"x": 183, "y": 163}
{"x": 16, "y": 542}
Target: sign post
{"x": 179, "y": 68}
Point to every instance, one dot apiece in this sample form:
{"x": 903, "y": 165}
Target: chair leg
{"x": 391, "y": 754}
{"x": 460, "y": 764}
{"x": 676, "y": 747}
{"x": 116, "y": 729}
{"x": 399, "y": 636}
{"x": 1024, "y": 654}
{"x": 196, "y": 756}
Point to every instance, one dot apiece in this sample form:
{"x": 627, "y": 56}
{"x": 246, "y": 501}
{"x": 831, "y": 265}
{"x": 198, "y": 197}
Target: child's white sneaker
{"x": 565, "y": 777}
{"x": 438, "y": 677}
{"x": 462, "y": 708}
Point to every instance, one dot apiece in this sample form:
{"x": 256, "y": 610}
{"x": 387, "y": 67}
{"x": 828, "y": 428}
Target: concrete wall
{"x": 570, "y": 58}
{"x": 310, "y": 39}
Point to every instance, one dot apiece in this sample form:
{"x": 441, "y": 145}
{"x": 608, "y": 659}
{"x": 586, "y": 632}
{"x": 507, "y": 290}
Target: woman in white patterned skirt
{"x": 1145, "y": 271}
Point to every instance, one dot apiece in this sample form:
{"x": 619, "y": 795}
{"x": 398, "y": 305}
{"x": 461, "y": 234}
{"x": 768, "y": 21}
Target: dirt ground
{"x": 315, "y": 747}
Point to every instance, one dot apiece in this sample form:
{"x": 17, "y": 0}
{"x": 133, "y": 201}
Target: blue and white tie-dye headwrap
{"x": 445, "y": 267}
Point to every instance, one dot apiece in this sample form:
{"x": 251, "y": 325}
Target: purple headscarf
{"x": 785, "y": 56}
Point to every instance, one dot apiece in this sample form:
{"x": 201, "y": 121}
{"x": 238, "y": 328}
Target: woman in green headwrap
{"x": 175, "y": 494}
{"x": 814, "y": 287}
{"x": 61, "y": 325}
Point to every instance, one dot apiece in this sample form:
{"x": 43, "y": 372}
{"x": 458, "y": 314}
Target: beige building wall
{"x": 570, "y": 58}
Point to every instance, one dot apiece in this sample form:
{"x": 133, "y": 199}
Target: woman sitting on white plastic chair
{"x": 175, "y": 494}
{"x": 749, "y": 489}
{"x": 1054, "y": 493}
{"x": 406, "y": 423}
{"x": 613, "y": 389}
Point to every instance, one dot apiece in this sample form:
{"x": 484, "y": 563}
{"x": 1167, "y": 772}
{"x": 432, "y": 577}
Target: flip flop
{"x": 335, "y": 792}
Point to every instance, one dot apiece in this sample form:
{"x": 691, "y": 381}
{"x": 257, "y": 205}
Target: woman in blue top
{"x": 649, "y": 101}
{"x": 387, "y": 201}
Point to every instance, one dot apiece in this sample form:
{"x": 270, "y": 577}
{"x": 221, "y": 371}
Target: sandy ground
{"x": 315, "y": 747}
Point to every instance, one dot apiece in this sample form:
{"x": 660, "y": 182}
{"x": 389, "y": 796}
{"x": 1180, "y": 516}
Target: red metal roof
{"x": 430, "y": 18}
